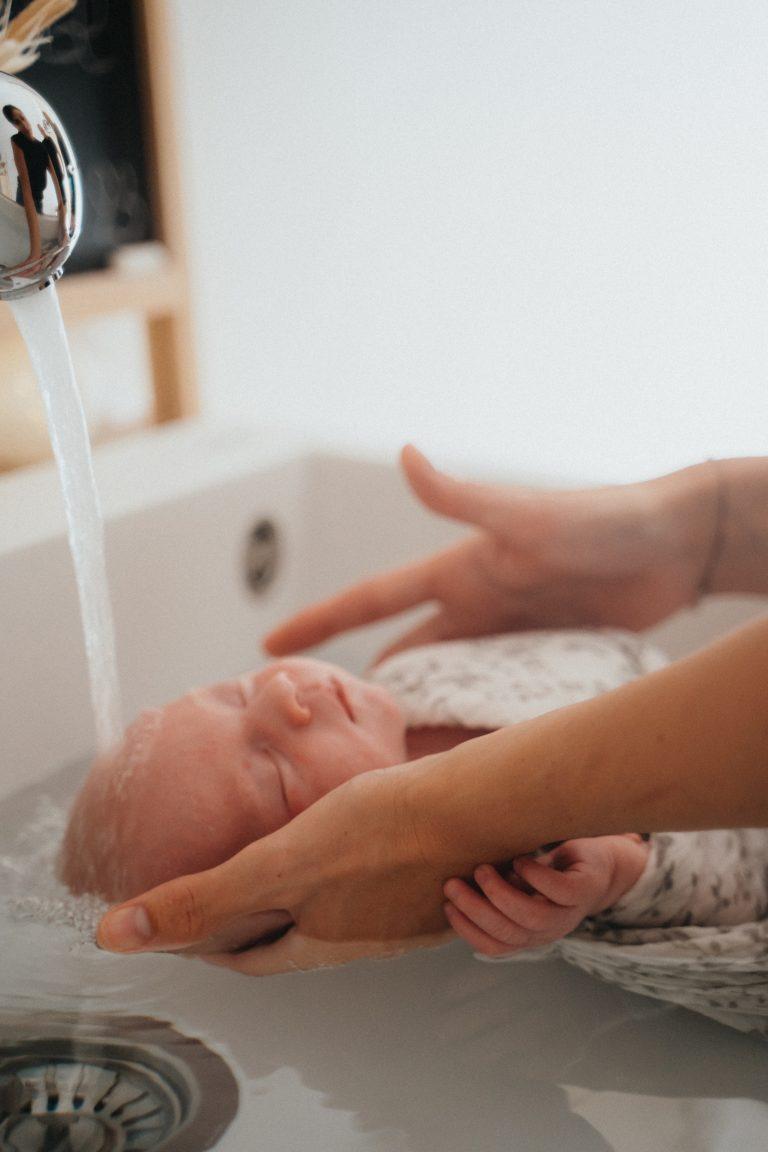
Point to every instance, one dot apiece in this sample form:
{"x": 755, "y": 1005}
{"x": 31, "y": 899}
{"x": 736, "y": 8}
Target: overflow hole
{"x": 262, "y": 553}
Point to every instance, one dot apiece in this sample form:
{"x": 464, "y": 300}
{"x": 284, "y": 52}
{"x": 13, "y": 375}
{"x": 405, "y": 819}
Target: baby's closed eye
{"x": 231, "y": 694}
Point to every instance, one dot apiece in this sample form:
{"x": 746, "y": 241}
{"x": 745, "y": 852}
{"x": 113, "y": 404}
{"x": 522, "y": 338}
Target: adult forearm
{"x": 683, "y": 748}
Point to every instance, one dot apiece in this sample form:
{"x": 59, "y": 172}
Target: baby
{"x": 193, "y": 783}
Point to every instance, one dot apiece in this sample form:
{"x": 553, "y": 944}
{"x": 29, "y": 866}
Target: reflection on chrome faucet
{"x": 39, "y": 191}
{"x": 34, "y": 160}
{"x": 30, "y": 157}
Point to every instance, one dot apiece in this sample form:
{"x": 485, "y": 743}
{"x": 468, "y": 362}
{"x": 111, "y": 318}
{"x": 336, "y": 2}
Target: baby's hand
{"x": 544, "y": 898}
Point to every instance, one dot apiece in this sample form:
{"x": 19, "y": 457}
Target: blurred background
{"x": 528, "y": 235}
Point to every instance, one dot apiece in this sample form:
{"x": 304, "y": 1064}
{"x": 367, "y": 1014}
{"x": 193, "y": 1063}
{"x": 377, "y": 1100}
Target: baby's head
{"x": 194, "y": 782}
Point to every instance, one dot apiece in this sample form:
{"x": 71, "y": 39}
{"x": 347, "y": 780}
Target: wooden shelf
{"x": 160, "y": 296}
{"x": 88, "y": 294}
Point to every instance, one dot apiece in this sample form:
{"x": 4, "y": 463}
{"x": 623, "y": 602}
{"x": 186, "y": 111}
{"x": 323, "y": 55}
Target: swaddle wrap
{"x": 693, "y": 929}
{"x": 494, "y": 681}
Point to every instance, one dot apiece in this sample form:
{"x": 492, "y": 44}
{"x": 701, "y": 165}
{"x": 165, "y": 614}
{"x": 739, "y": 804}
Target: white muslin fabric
{"x": 495, "y": 681}
{"x": 693, "y": 930}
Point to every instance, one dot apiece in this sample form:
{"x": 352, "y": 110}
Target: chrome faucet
{"x": 40, "y": 196}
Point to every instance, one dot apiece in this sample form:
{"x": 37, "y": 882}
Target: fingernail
{"x": 125, "y": 929}
{"x": 482, "y": 873}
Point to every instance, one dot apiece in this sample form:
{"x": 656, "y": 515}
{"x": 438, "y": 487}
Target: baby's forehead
{"x": 142, "y": 731}
{"x": 137, "y": 746}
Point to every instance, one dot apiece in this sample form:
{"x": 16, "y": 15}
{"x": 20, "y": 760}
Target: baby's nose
{"x": 279, "y": 698}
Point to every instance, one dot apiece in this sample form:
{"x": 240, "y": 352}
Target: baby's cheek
{"x": 373, "y": 752}
{"x": 390, "y": 722}
{"x": 328, "y": 764}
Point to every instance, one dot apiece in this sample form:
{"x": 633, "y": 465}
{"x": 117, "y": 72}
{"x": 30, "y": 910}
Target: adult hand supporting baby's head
{"x": 349, "y": 874}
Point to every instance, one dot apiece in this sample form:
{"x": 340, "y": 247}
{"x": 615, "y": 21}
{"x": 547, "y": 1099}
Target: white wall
{"x": 525, "y": 233}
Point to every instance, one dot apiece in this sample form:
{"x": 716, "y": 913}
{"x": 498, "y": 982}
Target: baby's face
{"x": 194, "y": 782}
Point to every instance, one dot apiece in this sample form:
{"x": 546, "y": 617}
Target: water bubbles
{"x": 33, "y": 890}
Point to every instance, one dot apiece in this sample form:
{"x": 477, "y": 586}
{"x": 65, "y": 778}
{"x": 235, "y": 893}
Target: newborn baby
{"x": 193, "y": 783}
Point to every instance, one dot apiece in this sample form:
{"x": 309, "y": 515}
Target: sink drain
{"x": 89, "y": 1104}
{"x": 139, "y": 1088}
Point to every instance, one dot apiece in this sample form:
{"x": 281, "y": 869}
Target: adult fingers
{"x": 295, "y": 952}
{"x": 190, "y": 910}
{"x": 374, "y": 599}
{"x": 484, "y": 505}
{"x": 245, "y": 932}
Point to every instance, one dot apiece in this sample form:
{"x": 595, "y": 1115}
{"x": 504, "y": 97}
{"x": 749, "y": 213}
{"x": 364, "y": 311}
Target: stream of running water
{"x": 39, "y": 320}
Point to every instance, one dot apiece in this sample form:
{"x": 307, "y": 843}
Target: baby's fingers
{"x": 531, "y": 909}
{"x": 475, "y": 937}
{"x": 474, "y": 908}
{"x": 506, "y": 905}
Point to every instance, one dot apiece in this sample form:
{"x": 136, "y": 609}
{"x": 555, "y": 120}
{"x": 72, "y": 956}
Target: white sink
{"x": 434, "y": 1052}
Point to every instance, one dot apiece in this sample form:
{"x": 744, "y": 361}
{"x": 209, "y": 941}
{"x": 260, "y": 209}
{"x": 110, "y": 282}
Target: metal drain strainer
{"x": 137, "y": 1089}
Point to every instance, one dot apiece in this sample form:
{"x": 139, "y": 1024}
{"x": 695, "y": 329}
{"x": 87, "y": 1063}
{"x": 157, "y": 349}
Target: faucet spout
{"x": 40, "y": 194}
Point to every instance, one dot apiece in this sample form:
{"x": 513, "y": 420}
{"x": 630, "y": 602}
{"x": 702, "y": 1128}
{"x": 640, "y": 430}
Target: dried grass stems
{"x": 22, "y": 37}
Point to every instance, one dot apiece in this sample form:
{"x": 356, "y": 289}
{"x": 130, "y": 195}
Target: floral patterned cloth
{"x": 495, "y": 681}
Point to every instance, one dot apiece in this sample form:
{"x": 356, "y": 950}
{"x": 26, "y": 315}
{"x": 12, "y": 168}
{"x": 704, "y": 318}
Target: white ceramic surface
{"x": 435, "y": 1052}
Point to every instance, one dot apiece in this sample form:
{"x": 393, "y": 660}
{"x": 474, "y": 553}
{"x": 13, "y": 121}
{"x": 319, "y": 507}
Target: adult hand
{"x": 624, "y": 556}
{"x": 354, "y": 875}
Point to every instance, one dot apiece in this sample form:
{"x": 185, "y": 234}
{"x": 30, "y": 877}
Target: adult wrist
{"x": 741, "y": 563}
{"x": 719, "y": 525}
{"x": 689, "y": 511}
{"x": 494, "y": 797}
{"x": 718, "y": 510}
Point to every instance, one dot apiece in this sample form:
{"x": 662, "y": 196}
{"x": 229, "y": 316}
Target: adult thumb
{"x": 483, "y": 505}
{"x": 217, "y": 905}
